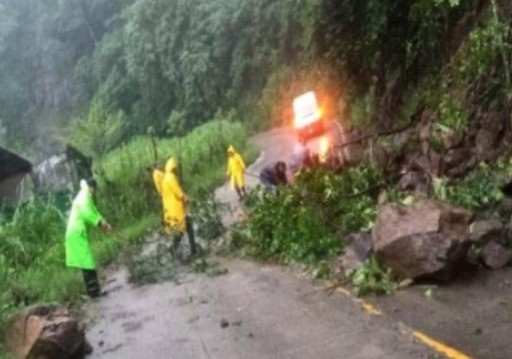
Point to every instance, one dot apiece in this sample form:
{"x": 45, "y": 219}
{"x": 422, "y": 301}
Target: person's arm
{"x": 228, "y": 172}
{"x": 177, "y": 190}
{"x": 92, "y": 216}
{"x": 242, "y": 163}
{"x": 158, "y": 177}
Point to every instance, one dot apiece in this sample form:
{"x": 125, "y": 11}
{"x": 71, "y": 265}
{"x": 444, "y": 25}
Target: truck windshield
{"x": 305, "y": 109}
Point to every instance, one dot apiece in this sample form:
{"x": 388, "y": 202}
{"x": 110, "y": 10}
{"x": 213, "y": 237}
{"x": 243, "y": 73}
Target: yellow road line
{"x": 449, "y": 352}
{"x": 371, "y": 309}
{"x": 366, "y": 306}
{"x": 440, "y": 347}
{"x": 343, "y": 291}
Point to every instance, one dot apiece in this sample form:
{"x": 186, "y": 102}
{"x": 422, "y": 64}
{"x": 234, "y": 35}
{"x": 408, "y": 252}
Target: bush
{"x": 206, "y": 213}
{"x": 478, "y": 190}
{"x": 372, "y": 277}
{"x": 303, "y": 222}
{"x": 34, "y": 229}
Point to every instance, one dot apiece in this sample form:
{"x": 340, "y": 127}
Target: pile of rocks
{"x": 429, "y": 239}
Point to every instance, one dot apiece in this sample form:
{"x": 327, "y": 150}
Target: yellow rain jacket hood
{"x": 173, "y": 199}
{"x": 171, "y": 165}
{"x": 236, "y": 168}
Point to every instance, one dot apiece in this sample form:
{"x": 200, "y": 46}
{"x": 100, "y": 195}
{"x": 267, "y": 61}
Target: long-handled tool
{"x": 251, "y": 174}
{"x": 118, "y": 235}
{"x": 151, "y": 133}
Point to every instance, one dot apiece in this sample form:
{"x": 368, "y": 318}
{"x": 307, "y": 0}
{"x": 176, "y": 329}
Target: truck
{"x": 324, "y": 139}
{"x": 308, "y": 117}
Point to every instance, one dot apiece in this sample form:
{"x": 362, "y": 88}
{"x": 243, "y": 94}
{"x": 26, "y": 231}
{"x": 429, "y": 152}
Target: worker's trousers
{"x": 91, "y": 283}
{"x": 190, "y": 234}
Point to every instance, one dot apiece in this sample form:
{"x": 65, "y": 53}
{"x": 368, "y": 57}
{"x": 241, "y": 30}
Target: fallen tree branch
{"x": 378, "y": 134}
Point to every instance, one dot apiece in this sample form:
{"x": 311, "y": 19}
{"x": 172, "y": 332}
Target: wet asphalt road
{"x": 271, "y": 314}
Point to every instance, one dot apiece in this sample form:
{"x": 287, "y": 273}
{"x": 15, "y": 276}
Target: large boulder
{"x": 426, "y": 239}
{"x": 45, "y": 332}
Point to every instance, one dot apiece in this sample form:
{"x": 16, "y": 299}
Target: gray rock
{"x": 428, "y": 238}
{"x": 353, "y": 153}
{"x": 459, "y": 160}
{"x": 485, "y": 144}
{"x": 450, "y": 139}
{"x": 482, "y": 232}
{"x": 45, "y": 332}
{"x": 224, "y": 323}
{"x": 361, "y": 244}
{"x": 359, "y": 247}
{"x": 505, "y": 207}
{"x": 495, "y": 255}
{"x": 413, "y": 181}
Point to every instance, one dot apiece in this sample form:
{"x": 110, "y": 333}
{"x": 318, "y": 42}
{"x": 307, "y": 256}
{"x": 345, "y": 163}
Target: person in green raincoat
{"x": 84, "y": 215}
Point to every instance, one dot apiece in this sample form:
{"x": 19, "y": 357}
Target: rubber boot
{"x": 92, "y": 284}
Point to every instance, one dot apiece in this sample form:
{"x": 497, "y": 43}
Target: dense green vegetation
{"x": 372, "y": 62}
{"x": 399, "y": 56}
{"x": 145, "y": 58}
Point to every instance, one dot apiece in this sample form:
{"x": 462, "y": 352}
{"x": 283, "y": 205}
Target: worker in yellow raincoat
{"x": 236, "y": 167}
{"x": 83, "y": 216}
{"x": 174, "y": 201}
